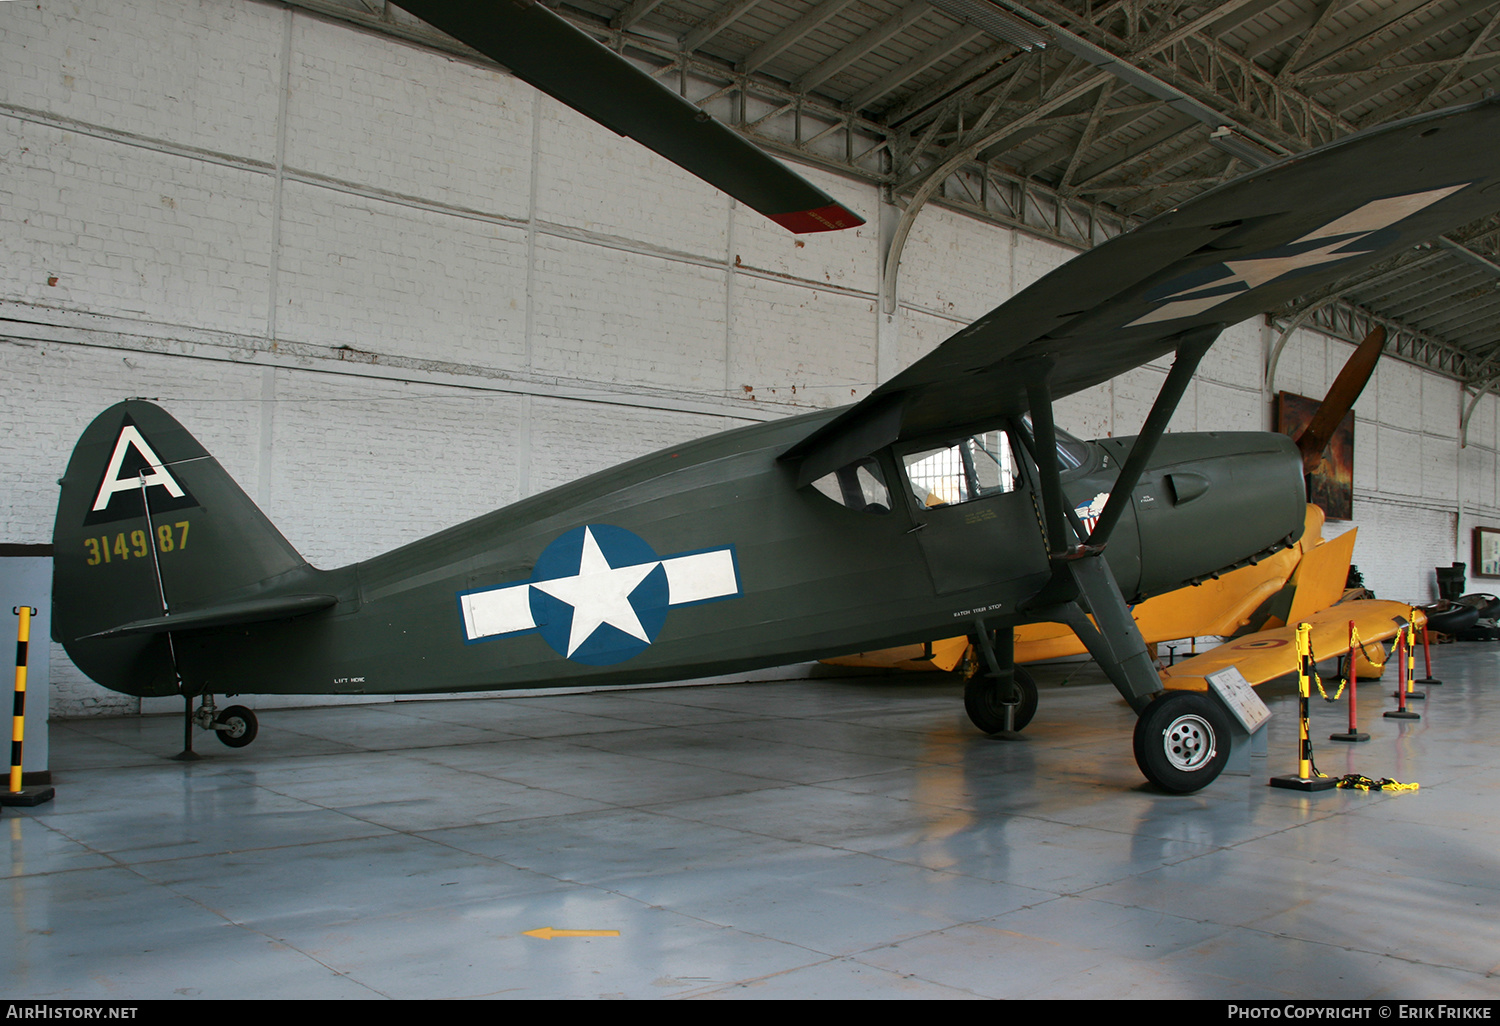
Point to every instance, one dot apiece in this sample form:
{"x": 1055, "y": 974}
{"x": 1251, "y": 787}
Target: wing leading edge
{"x": 547, "y": 52}
{"x": 1270, "y": 654}
{"x": 1229, "y": 254}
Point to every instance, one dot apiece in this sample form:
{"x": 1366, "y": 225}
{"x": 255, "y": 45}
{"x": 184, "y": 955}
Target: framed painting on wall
{"x": 1331, "y": 484}
{"x": 1486, "y": 552}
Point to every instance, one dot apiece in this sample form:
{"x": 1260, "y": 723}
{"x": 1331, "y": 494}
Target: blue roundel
{"x": 609, "y": 599}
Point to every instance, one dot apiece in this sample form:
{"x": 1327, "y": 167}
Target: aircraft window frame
{"x": 1073, "y": 453}
{"x": 955, "y": 476}
{"x": 860, "y": 486}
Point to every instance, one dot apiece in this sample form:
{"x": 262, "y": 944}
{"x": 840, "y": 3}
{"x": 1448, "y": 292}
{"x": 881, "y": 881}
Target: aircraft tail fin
{"x": 150, "y": 527}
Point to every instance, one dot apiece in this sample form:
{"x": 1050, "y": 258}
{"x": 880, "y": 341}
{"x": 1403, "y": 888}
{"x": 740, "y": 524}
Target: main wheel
{"x": 986, "y": 705}
{"x": 1182, "y": 741}
{"x": 236, "y": 726}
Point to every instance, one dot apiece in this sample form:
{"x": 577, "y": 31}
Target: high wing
{"x": 547, "y": 52}
{"x": 1272, "y": 653}
{"x": 1229, "y": 254}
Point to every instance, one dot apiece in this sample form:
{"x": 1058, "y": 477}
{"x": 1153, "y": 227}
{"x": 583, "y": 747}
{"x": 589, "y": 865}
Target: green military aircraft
{"x": 946, "y": 501}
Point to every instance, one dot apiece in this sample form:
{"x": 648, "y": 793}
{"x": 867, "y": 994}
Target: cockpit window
{"x": 1071, "y": 452}
{"x": 859, "y": 486}
{"x": 963, "y": 470}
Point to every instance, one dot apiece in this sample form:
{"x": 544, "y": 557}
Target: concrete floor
{"x": 845, "y": 837}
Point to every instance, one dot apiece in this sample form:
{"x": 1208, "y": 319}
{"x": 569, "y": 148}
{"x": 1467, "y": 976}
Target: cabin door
{"x": 976, "y": 520}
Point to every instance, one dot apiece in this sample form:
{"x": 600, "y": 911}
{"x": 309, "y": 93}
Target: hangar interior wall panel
{"x": 391, "y": 290}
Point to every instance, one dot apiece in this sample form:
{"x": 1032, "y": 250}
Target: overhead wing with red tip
{"x": 547, "y": 52}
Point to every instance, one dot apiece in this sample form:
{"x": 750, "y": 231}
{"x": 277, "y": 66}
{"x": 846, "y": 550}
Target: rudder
{"x": 149, "y": 525}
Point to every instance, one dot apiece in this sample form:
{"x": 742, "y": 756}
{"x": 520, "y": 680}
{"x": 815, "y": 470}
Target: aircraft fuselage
{"x": 706, "y": 559}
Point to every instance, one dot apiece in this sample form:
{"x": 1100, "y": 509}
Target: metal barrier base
{"x": 1306, "y": 783}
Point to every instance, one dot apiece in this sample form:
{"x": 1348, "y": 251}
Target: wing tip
{"x": 831, "y": 218}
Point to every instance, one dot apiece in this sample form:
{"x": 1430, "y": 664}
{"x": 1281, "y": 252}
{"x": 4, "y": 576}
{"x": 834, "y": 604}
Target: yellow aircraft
{"x": 1256, "y": 608}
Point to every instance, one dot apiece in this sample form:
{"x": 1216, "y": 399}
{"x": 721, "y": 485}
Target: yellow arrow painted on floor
{"x": 547, "y": 933}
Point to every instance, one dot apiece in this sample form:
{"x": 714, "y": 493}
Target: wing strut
{"x": 1190, "y": 349}
{"x": 1082, "y": 582}
{"x": 1039, "y": 398}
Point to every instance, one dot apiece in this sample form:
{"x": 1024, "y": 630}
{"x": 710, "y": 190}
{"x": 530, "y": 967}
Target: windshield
{"x": 1072, "y": 453}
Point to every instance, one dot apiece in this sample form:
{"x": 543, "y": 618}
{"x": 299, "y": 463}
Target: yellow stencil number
{"x": 164, "y": 539}
{"x": 106, "y": 548}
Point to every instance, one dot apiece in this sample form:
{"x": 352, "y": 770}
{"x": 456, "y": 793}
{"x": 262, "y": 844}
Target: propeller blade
{"x": 546, "y": 51}
{"x": 1340, "y": 399}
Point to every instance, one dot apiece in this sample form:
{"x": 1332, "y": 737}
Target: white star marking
{"x": 599, "y": 594}
{"x": 1257, "y": 271}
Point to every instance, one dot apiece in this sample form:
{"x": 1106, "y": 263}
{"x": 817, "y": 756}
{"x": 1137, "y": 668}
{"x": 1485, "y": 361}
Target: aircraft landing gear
{"x": 999, "y": 696}
{"x": 236, "y": 726}
{"x": 986, "y": 705}
{"x": 1182, "y": 741}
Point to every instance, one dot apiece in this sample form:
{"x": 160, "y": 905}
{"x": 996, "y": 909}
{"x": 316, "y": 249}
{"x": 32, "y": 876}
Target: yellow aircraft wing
{"x": 1215, "y": 607}
{"x": 942, "y": 655}
{"x": 1316, "y": 569}
{"x": 1273, "y": 653}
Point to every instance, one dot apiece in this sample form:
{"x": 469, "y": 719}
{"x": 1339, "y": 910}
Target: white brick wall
{"x": 788, "y": 337}
{"x": 360, "y": 467}
{"x": 484, "y": 253}
{"x": 391, "y": 278}
{"x": 957, "y": 267}
{"x": 604, "y": 314}
{"x": 199, "y": 74}
{"x": 96, "y": 225}
{"x": 406, "y": 121}
{"x": 572, "y": 439}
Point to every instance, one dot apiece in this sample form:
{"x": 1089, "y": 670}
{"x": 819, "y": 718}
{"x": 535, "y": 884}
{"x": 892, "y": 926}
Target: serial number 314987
{"x": 104, "y": 549}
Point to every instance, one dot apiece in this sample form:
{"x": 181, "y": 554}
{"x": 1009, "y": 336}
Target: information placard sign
{"x": 1231, "y": 686}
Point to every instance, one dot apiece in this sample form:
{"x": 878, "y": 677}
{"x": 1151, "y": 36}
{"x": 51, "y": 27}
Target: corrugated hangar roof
{"x": 1075, "y": 119}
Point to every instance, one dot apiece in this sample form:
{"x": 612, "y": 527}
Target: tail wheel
{"x": 236, "y": 726}
{"x": 985, "y": 703}
{"x": 1182, "y": 741}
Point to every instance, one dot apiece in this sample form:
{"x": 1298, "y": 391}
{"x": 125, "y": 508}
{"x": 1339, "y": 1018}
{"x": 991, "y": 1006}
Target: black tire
{"x": 986, "y": 707}
{"x": 1487, "y": 604}
{"x": 236, "y": 726}
{"x": 1182, "y": 741}
{"x": 1456, "y": 617}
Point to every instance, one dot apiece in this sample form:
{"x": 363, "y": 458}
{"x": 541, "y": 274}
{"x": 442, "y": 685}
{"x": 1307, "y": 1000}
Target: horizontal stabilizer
{"x": 281, "y": 607}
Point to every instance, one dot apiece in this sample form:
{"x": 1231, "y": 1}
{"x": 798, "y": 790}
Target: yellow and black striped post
{"x": 18, "y": 712}
{"x": 1307, "y": 778}
{"x": 1403, "y": 646}
{"x": 16, "y": 794}
{"x": 1409, "y": 633}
